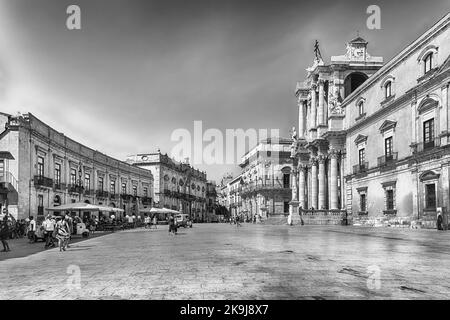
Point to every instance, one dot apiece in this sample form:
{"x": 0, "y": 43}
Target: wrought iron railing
{"x": 40, "y": 181}
{"x": 387, "y": 159}
{"x": 360, "y": 168}
{"x": 74, "y": 188}
{"x": 425, "y": 145}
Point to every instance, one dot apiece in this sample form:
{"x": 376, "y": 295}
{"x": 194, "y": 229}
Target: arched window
{"x": 361, "y": 108}
{"x": 388, "y": 89}
{"x": 428, "y": 62}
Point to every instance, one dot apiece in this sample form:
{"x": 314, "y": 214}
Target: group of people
{"x": 57, "y": 228}
{"x": 149, "y": 222}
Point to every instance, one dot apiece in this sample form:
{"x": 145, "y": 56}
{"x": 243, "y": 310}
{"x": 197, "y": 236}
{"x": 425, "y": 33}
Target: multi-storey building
{"x": 265, "y": 182}
{"x": 234, "y": 188}
{"x": 50, "y": 169}
{"x": 377, "y": 148}
{"x": 177, "y": 185}
{"x": 211, "y": 201}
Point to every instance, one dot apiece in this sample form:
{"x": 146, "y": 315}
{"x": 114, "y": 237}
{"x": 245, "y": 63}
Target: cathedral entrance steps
{"x": 276, "y": 220}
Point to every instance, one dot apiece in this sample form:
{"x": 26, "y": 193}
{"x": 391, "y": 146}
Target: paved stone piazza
{"x": 222, "y": 261}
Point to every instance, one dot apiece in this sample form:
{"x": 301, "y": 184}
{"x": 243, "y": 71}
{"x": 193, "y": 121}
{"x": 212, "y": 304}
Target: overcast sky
{"x": 138, "y": 70}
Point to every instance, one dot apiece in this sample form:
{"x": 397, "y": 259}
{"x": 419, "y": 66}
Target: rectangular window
{"x": 428, "y": 63}
{"x": 40, "y": 205}
{"x": 87, "y": 181}
{"x": 430, "y": 196}
{"x": 100, "y": 184}
{"x": 135, "y": 191}
{"x": 2, "y": 168}
{"x": 362, "y": 157}
{"x": 40, "y": 166}
{"x": 73, "y": 177}
{"x": 112, "y": 188}
{"x": 124, "y": 188}
{"x": 428, "y": 133}
{"x": 286, "y": 182}
{"x": 390, "y": 199}
{"x": 388, "y": 148}
{"x": 362, "y": 201}
{"x": 57, "y": 173}
{"x": 145, "y": 191}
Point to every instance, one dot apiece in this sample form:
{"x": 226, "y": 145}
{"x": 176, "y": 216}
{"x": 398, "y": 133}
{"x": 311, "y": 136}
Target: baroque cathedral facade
{"x": 373, "y": 145}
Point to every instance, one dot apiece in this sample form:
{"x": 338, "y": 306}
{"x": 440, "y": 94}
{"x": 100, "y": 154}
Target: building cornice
{"x": 383, "y": 71}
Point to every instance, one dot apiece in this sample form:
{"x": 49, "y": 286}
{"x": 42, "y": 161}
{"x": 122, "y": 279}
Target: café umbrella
{"x": 159, "y": 211}
{"x": 82, "y": 206}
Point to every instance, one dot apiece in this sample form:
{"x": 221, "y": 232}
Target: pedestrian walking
{"x": 62, "y": 233}
{"x": 147, "y": 222}
{"x": 49, "y": 229}
{"x": 172, "y": 226}
{"x": 31, "y": 229}
{"x": 69, "y": 221}
{"x": 4, "y": 233}
{"x": 238, "y": 222}
{"x": 155, "y": 222}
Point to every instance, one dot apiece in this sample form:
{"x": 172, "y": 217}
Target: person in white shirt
{"x": 49, "y": 228}
{"x": 31, "y": 229}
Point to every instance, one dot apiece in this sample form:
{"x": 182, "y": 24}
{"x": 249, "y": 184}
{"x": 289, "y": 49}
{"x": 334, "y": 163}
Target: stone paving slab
{"x": 220, "y": 261}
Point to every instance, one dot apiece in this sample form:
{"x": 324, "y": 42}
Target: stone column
{"x": 314, "y": 189}
{"x": 294, "y": 185}
{"x": 301, "y": 186}
{"x": 313, "y": 123}
{"x": 322, "y": 184}
{"x": 334, "y": 203}
{"x": 301, "y": 119}
{"x": 321, "y": 111}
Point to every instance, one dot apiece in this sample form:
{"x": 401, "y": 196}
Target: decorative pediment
{"x": 427, "y": 104}
{"x": 387, "y": 125}
{"x": 429, "y": 175}
{"x": 389, "y": 184}
{"x": 360, "y": 138}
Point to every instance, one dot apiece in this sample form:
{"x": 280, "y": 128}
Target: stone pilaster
{"x": 301, "y": 119}
{"x": 322, "y": 183}
{"x": 314, "y": 186}
{"x": 321, "y": 109}
{"x": 313, "y": 123}
{"x": 334, "y": 155}
{"x": 302, "y": 186}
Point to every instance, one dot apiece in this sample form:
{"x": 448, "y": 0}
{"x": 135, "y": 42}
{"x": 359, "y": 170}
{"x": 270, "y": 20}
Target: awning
{"x": 159, "y": 210}
{"x": 83, "y": 207}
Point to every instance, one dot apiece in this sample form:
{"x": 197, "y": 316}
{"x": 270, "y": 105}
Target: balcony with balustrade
{"x": 75, "y": 188}
{"x": 42, "y": 182}
{"x": 425, "y": 146}
{"x": 388, "y": 161}
{"x": 361, "y": 168}
{"x": 101, "y": 194}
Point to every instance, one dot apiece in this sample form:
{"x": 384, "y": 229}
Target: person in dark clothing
{"x": 4, "y": 234}
{"x": 172, "y": 226}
